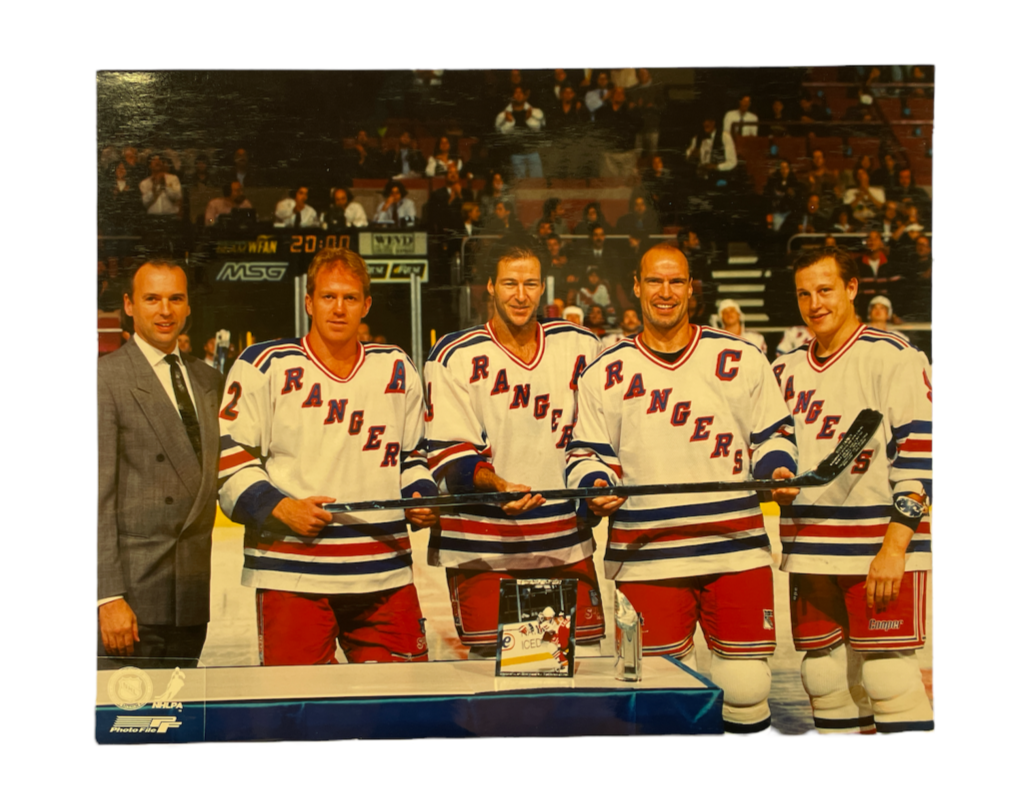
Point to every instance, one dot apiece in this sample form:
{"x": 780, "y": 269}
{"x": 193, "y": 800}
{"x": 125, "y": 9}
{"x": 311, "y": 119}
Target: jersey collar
{"x": 821, "y": 367}
{"x": 540, "y": 341}
{"x": 691, "y": 348}
{"x": 306, "y": 346}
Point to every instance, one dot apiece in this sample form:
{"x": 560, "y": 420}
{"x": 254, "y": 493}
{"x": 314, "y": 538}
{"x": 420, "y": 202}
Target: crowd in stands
{"x": 580, "y": 129}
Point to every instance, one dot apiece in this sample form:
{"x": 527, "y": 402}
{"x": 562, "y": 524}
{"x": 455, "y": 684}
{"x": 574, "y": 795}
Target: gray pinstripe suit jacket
{"x": 157, "y": 504}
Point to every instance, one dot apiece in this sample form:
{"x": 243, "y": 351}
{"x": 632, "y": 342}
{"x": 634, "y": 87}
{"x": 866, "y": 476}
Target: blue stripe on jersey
{"x": 601, "y": 449}
{"x": 833, "y": 512}
{"x": 772, "y": 461}
{"x": 228, "y": 442}
{"x": 563, "y": 508}
{"x": 473, "y": 341}
{"x": 326, "y": 568}
{"x": 699, "y": 509}
{"x": 920, "y": 427}
{"x": 447, "y": 340}
{"x": 844, "y": 548}
{"x": 264, "y": 367}
{"x": 427, "y": 488}
{"x": 615, "y": 347}
{"x": 567, "y": 327}
{"x": 764, "y": 435}
{"x": 718, "y": 335}
{"x": 920, "y": 464}
{"x": 630, "y": 553}
{"x": 358, "y": 530}
{"x": 255, "y": 504}
{"x": 252, "y": 353}
{"x": 510, "y": 546}
{"x": 873, "y": 339}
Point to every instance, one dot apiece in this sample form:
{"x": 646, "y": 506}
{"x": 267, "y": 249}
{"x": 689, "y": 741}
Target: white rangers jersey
{"x": 837, "y": 529}
{"x": 713, "y": 414}
{"x": 487, "y": 405}
{"x": 292, "y": 428}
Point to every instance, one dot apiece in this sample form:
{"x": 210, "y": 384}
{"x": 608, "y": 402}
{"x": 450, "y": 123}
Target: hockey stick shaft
{"x": 847, "y": 449}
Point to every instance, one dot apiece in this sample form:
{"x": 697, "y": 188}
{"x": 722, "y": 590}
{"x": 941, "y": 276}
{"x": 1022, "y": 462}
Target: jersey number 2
{"x": 229, "y": 412}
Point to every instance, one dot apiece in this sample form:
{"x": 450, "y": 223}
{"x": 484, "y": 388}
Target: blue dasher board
{"x": 397, "y": 701}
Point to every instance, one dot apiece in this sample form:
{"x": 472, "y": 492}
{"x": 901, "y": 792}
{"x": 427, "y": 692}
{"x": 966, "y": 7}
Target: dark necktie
{"x": 296, "y": 220}
{"x": 186, "y": 409}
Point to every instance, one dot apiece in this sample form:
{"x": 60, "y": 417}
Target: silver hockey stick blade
{"x": 847, "y": 449}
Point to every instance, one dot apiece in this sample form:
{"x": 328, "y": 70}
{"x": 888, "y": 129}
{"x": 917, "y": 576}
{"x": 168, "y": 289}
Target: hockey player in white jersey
{"x": 501, "y": 406}
{"x": 308, "y": 421}
{"x": 858, "y": 549}
{"x": 685, "y": 403}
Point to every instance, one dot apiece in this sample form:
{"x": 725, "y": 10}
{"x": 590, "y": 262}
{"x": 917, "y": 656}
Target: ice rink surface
{"x": 232, "y": 635}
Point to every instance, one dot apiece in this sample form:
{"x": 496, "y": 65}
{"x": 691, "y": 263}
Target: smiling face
{"x": 516, "y": 292}
{"x": 336, "y": 306}
{"x": 159, "y": 305}
{"x": 826, "y": 303}
{"x": 664, "y": 290}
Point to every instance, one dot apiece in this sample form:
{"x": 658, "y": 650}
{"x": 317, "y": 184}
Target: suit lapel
{"x": 164, "y": 419}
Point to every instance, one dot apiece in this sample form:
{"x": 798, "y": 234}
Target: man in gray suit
{"x": 158, "y": 429}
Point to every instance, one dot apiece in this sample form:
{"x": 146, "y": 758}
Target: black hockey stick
{"x": 847, "y": 449}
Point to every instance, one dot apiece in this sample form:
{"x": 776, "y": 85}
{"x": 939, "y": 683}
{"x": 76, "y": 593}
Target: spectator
{"x": 357, "y": 160}
{"x": 742, "y": 115}
{"x": 864, "y": 200}
{"x": 689, "y": 242}
{"x": 118, "y": 204}
{"x": 209, "y": 351}
{"x": 241, "y": 170}
{"x": 908, "y": 193}
{"x": 881, "y": 315}
{"x": 842, "y": 222}
{"x": 595, "y": 291}
{"x": 730, "y": 318}
{"x": 518, "y": 125}
{"x": 886, "y": 175}
{"x": 556, "y": 263}
{"x": 135, "y": 172}
{"x": 875, "y": 276}
{"x": 544, "y": 229}
{"x": 777, "y": 125}
{"x": 808, "y": 220}
{"x": 600, "y": 253}
{"x": 617, "y": 125}
{"x": 660, "y": 188}
{"x": 364, "y": 333}
{"x": 573, "y": 313}
{"x": 442, "y": 213}
{"x": 903, "y": 241}
{"x": 593, "y": 216}
{"x": 442, "y": 158}
{"x": 406, "y": 160}
{"x": 813, "y": 111}
{"x": 914, "y": 293}
{"x": 161, "y": 191}
{"x": 565, "y": 122}
{"x": 554, "y": 211}
{"x": 494, "y": 191}
{"x": 201, "y": 181}
{"x": 396, "y": 209}
{"x": 640, "y": 220}
{"x": 782, "y": 191}
{"x": 647, "y": 99}
{"x": 345, "y": 212}
{"x": 629, "y": 325}
{"x": 232, "y": 198}
{"x": 294, "y": 212}
{"x": 596, "y": 321}
{"x": 596, "y": 97}
{"x": 821, "y": 180}
{"x": 891, "y": 222}
{"x": 714, "y": 151}
{"x": 503, "y": 220}
{"x": 551, "y": 91}
{"x": 470, "y": 217}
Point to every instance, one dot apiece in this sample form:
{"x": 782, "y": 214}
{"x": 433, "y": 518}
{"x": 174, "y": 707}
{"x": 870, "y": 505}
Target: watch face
{"x": 909, "y": 507}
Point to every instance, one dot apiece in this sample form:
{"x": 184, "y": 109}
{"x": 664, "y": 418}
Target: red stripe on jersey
{"x": 235, "y": 459}
{"x": 440, "y": 457}
{"x": 495, "y": 528}
{"x": 788, "y": 529}
{"x": 679, "y": 532}
{"x": 327, "y": 549}
{"x": 912, "y": 445}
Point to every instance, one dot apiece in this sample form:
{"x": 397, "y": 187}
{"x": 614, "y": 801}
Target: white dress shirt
{"x": 284, "y": 214}
{"x": 161, "y": 202}
{"x": 735, "y": 116}
{"x": 706, "y": 151}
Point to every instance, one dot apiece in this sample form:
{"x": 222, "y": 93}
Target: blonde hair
{"x": 350, "y": 262}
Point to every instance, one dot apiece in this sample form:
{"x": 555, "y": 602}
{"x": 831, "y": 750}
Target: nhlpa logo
{"x": 767, "y": 620}
{"x": 252, "y": 272}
